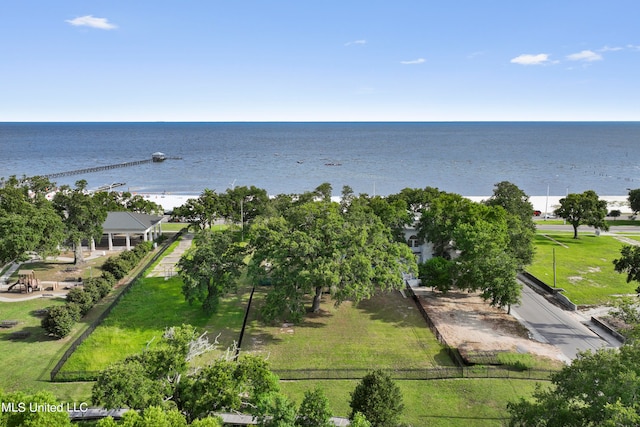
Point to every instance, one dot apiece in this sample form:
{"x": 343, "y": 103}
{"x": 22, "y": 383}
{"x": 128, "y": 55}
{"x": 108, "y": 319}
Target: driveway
{"x": 563, "y": 329}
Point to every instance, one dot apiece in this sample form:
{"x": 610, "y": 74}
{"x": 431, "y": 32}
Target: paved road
{"x": 587, "y": 230}
{"x": 551, "y": 324}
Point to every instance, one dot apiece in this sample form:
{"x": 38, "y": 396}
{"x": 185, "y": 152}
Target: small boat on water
{"x": 333, "y": 164}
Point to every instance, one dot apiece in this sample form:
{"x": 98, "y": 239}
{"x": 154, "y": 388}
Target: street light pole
{"x": 546, "y": 205}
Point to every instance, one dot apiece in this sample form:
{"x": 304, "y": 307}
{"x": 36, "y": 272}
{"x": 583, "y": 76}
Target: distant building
{"x": 421, "y": 249}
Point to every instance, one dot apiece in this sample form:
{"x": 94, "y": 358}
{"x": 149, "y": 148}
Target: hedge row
{"x": 59, "y": 320}
{"x": 120, "y": 265}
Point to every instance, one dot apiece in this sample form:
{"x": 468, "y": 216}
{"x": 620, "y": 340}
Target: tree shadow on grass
{"x": 28, "y": 334}
{"x": 392, "y": 307}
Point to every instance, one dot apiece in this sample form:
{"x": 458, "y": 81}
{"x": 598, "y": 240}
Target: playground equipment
{"x": 27, "y": 282}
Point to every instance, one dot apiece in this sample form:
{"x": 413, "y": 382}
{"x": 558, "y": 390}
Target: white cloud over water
{"x": 93, "y": 22}
{"x": 585, "y": 55}
{"x": 414, "y": 61}
{"x": 528, "y": 59}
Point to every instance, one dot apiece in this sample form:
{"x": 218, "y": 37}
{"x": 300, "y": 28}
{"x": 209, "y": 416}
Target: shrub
{"x": 92, "y": 289}
{"x": 378, "y": 398}
{"x": 109, "y": 278}
{"x": 104, "y": 287}
{"x": 82, "y": 298}
{"x": 314, "y": 410}
{"x": 115, "y": 267}
{"x": 99, "y": 285}
{"x": 142, "y": 249}
{"x": 59, "y": 321}
{"x": 74, "y": 310}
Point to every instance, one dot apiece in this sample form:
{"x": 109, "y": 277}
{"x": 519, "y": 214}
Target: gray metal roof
{"x": 129, "y": 222}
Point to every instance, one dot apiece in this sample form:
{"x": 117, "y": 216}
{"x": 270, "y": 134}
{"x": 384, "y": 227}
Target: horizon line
{"x": 320, "y": 121}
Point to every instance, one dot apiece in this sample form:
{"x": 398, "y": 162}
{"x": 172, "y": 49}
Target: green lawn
{"x": 173, "y": 226}
{"x": 584, "y": 266}
{"x": 27, "y": 363}
{"x": 465, "y": 403}
{"x": 384, "y": 332}
{"x": 152, "y": 305}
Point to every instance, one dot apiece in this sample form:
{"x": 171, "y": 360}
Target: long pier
{"x": 107, "y": 167}
{"x": 97, "y": 169}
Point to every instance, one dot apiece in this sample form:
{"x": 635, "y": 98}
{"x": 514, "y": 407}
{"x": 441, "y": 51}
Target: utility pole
{"x": 554, "y": 267}
{"x": 242, "y": 218}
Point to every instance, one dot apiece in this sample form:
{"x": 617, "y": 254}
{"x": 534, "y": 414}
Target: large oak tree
{"x": 476, "y": 237}
{"x": 82, "y": 214}
{"x": 210, "y": 268}
{"x": 28, "y": 221}
{"x": 583, "y": 209}
{"x": 324, "y": 246}
{"x": 520, "y": 226}
{"x": 597, "y": 389}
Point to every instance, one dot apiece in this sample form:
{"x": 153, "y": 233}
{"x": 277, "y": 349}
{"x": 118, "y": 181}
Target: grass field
{"x": 465, "y": 403}
{"x": 384, "y": 332}
{"x": 584, "y": 266}
{"x": 27, "y": 363}
{"x": 152, "y": 305}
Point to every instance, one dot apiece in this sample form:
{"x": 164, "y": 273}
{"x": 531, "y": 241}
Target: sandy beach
{"x": 541, "y": 203}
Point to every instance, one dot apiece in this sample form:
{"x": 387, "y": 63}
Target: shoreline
{"x": 542, "y": 203}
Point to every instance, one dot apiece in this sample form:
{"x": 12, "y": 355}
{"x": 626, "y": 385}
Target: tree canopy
{"x": 201, "y": 212}
{"x": 22, "y": 413}
{"x": 520, "y": 226}
{"x": 28, "y": 221}
{"x": 634, "y": 200}
{"x": 597, "y": 389}
{"x": 378, "y": 398}
{"x": 161, "y": 376}
{"x": 476, "y": 238}
{"x": 82, "y": 214}
{"x": 629, "y": 263}
{"x": 321, "y": 245}
{"x": 416, "y": 199}
{"x": 583, "y": 209}
{"x": 115, "y": 201}
{"x": 211, "y": 267}
{"x": 314, "y": 410}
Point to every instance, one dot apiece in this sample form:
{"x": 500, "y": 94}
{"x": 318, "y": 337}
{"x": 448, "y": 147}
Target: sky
{"x": 305, "y": 60}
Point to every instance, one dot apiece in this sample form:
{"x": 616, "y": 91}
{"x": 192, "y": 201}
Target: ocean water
{"x": 372, "y": 158}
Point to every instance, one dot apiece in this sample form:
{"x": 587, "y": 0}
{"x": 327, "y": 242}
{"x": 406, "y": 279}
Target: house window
{"x": 413, "y": 241}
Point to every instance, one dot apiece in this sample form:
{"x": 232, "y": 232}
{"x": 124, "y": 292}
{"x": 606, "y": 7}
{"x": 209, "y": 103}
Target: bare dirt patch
{"x": 468, "y": 323}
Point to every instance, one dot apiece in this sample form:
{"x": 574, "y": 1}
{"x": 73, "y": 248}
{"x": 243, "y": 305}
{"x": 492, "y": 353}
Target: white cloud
{"x": 527, "y": 59}
{"x": 611, "y": 49}
{"x": 414, "y": 61}
{"x": 585, "y": 55}
{"x": 90, "y": 21}
{"x": 356, "y": 42}
{"x": 633, "y": 47}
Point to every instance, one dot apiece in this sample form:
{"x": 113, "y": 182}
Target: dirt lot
{"x": 468, "y": 323}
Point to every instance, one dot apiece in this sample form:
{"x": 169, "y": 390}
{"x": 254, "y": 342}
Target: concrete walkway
{"x": 167, "y": 265}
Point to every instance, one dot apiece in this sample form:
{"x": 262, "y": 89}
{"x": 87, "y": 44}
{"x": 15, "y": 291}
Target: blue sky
{"x": 302, "y": 60}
